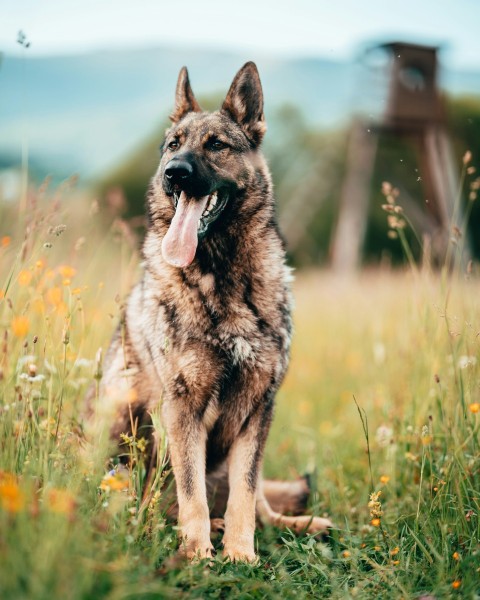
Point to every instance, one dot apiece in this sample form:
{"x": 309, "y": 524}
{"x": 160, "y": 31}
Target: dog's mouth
{"x": 192, "y": 219}
{"x": 216, "y": 202}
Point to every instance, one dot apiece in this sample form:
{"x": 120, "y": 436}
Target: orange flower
{"x": 54, "y": 296}
{"x": 24, "y": 278}
{"x": 456, "y": 584}
{"x": 395, "y": 551}
{"x": 66, "y": 282}
{"x": 66, "y": 271}
{"x": 375, "y": 522}
{"x": 474, "y": 407}
{"x": 61, "y": 502}
{"x": 456, "y": 556}
{"x": 5, "y": 241}
{"x": 11, "y": 496}
{"x": 20, "y": 326}
{"x": 384, "y": 479}
{"x": 345, "y": 554}
{"x": 40, "y": 264}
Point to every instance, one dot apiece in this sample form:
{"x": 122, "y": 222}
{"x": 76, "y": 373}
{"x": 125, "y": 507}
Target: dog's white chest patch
{"x": 242, "y": 351}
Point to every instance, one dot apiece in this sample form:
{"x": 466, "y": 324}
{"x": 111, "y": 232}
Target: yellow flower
{"x": 20, "y": 326}
{"x": 114, "y": 481}
{"x": 5, "y": 241}
{"x": 395, "y": 551}
{"x": 456, "y": 556}
{"x": 474, "y": 407}
{"x": 384, "y": 479}
{"x": 61, "y": 502}
{"x": 395, "y": 562}
{"x": 66, "y": 271}
{"x": 55, "y": 296}
{"x": 24, "y": 278}
{"x": 40, "y": 264}
{"x": 375, "y": 522}
{"x": 11, "y": 496}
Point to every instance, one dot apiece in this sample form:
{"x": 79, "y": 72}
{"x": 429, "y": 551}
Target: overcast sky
{"x": 331, "y": 28}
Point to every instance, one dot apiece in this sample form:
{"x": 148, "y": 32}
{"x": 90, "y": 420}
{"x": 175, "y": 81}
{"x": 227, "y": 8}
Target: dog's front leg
{"x": 187, "y": 442}
{"x": 244, "y": 463}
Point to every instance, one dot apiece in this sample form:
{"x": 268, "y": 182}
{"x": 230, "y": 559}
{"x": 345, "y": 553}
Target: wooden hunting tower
{"x": 414, "y": 112}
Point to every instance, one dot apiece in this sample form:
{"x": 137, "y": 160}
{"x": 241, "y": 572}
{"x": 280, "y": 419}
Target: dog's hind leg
{"x": 268, "y": 516}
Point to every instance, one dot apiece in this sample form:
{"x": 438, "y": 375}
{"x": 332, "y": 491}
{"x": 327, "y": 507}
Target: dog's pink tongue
{"x": 180, "y": 243}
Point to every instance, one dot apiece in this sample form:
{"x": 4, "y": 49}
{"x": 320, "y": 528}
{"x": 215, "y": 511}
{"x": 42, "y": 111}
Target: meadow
{"x": 381, "y": 407}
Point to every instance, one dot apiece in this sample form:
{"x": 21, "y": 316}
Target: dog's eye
{"x": 173, "y": 145}
{"x": 215, "y": 144}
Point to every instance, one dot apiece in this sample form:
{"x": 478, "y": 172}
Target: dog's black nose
{"x": 178, "y": 171}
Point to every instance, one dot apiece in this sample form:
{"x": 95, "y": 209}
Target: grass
{"x": 404, "y": 345}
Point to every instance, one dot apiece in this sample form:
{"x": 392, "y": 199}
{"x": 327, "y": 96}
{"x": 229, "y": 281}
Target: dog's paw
{"x": 197, "y": 551}
{"x": 240, "y": 554}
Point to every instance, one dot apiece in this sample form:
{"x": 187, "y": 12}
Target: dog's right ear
{"x": 185, "y": 101}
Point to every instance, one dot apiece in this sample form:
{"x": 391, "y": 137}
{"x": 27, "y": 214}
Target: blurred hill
{"x": 85, "y": 113}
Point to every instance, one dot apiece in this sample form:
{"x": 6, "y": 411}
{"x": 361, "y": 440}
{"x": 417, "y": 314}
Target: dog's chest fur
{"x": 217, "y": 341}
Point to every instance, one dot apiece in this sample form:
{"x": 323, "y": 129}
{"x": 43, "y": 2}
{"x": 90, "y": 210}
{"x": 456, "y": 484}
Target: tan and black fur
{"x": 210, "y": 339}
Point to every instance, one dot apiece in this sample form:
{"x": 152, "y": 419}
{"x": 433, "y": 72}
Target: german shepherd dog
{"x": 207, "y": 330}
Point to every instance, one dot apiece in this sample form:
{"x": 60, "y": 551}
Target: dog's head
{"x": 207, "y": 159}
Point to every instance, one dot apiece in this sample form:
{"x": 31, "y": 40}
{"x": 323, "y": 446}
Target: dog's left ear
{"x": 244, "y": 103}
{"x": 185, "y": 101}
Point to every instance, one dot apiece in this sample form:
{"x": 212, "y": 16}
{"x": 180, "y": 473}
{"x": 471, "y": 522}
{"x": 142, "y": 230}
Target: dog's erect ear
{"x": 185, "y": 101}
{"x": 244, "y": 103}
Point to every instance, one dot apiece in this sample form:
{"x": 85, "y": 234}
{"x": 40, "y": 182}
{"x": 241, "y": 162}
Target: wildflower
{"x": 456, "y": 584}
{"x": 426, "y": 438}
{"x": 66, "y": 271}
{"x": 40, "y": 264}
{"x": 61, "y": 502}
{"x": 375, "y": 505}
{"x": 466, "y": 361}
{"x": 346, "y": 554}
{"x": 456, "y": 556}
{"x": 66, "y": 282}
{"x": 55, "y": 296}
{"x": 474, "y": 407}
{"x": 5, "y": 241}
{"x": 20, "y": 326}
{"x": 11, "y": 496}
{"x": 384, "y": 479}
{"x": 411, "y": 457}
{"x": 24, "y": 278}
{"x": 142, "y": 444}
{"x": 114, "y": 481}
{"x": 471, "y": 170}
{"x": 395, "y": 551}
{"x": 375, "y": 523}
{"x": 467, "y": 157}
{"x": 383, "y": 435}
